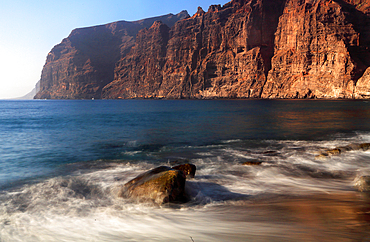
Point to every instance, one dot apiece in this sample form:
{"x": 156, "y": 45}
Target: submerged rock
{"x": 335, "y": 151}
{"x": 350, "y": 147}
{"x": 365, "y": 146}
{"x": 188, "y": 169}
{"x": 321, "y": 156}
{"x": 329, "y": 152}
{"x": 271, "y": 153}
{"x": 362, "y": 183}
{"x": 252, "y": 163}
{"x": 340, "y": 150}
{"x": 159, "y": 185}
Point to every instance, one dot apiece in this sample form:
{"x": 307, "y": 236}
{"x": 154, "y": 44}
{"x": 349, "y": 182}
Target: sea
{"x": 63, "y": 163}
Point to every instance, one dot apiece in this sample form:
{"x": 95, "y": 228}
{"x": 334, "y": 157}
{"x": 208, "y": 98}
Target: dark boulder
{"x": 188, "y": 169}
{"x": 159, "y": 185}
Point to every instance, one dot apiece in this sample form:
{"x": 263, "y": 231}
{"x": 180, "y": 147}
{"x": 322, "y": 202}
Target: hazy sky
{"x": 30, "y": 28}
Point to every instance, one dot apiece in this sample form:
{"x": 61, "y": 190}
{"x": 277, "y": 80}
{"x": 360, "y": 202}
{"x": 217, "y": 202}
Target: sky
{"x": 30, "y": 28}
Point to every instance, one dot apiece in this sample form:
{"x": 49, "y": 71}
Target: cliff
{"x": 83, "y": 63}
{"x": 321, "y": 50}
{"x": 244, "y": 49}
{"x": 224, "y": 52}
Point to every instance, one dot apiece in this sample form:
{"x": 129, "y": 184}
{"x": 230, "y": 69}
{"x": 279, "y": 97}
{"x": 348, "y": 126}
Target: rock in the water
{"x": 159, "y": 185}
{"x": 350, "y": 147}
{"x": 339, "y": 150}
{"x": 365, "y": 146}
{"x": 362, "y": 183}
{"x": 252, "y": 163}
{"x": 188, "y": 169}
{"x": 335, "y": 151}
{"x": 321, "y": 156}
{"x": 329, "y": 152}
{"x": 270, "y": 153}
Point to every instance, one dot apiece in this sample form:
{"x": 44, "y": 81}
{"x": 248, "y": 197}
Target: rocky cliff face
{"x": 84, "y": 63}
{"x": 244, "y": 49}
{"x": 321, "y": 49}
{"x": 224, "y": 52}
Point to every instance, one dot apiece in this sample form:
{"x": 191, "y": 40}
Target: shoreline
{"x": 343, "y": 216}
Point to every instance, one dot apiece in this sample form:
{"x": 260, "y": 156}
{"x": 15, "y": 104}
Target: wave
{"x": 83, "y": 205}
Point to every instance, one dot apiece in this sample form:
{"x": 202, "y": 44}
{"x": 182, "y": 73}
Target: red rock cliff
{"x": 321, "y": 49}
{"x": 244, "y": 49}
{"x": 224, "y": 52}
{"x": 84, "y": 63}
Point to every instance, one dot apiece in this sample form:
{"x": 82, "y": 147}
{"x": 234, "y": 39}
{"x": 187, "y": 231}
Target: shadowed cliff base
{"x": 243, "y": 49}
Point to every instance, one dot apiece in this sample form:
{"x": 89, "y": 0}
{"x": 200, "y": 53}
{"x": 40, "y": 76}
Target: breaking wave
{"x": 83, "y": 205}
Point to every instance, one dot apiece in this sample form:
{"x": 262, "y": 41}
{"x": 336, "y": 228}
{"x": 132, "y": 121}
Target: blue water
{"x": 44, "y": 141}
{"x": 39, "y": 136}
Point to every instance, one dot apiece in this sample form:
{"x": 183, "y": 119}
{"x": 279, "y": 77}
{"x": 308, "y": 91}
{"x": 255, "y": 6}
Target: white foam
{"x": 231, "y": 141}
{"x": 85, "y": 207}
{"x": 206, "y": 224}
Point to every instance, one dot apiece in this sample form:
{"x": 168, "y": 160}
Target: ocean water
{"x": 63, "y": 162}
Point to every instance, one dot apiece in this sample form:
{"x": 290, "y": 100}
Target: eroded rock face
{"x": 224, "y": 52}
{"x": 318, "y": 51}
{"x": 83, "y": 63}
{"x": 244, "y": 49}
{"x": 139, "y": 73}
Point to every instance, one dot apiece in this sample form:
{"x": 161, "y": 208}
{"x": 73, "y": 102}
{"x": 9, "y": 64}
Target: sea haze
{"x": 62, "y": 163}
